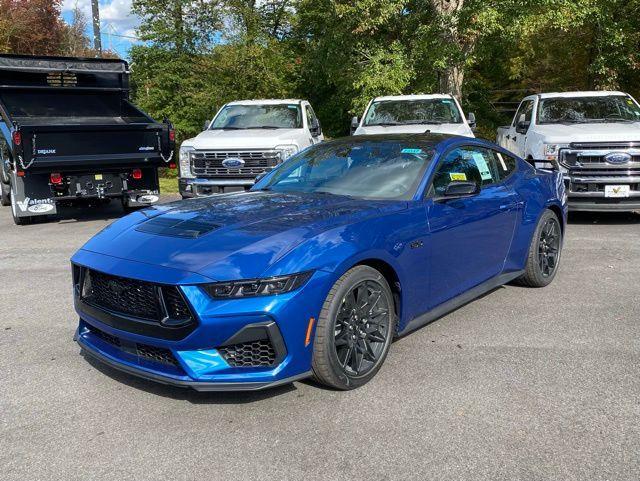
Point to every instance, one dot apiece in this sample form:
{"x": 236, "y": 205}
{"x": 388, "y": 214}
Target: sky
{"x": 116, "y": 21}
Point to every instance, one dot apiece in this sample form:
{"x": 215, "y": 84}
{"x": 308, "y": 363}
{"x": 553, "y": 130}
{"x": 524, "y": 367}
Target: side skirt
{"x": 461, "y": 300}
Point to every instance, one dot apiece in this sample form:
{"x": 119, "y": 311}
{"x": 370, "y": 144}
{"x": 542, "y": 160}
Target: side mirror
{"x": 459, "y": 190}
{"x": 471, "y": 119}
{"x": 523, "y": 125}
{"x": 315, "y": 128}
{"x": 355, "y": 122}
{"x": 206, "y": 125}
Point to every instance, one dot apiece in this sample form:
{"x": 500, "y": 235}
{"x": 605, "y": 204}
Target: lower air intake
{"x": 249, "y": 354}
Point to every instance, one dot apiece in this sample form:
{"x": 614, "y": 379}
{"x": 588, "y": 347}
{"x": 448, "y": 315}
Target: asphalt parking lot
{"x": 521, "y": 384}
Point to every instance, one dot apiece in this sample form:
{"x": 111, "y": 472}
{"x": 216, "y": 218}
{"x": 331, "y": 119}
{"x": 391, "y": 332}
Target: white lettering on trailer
{"x": 28, "y": 203}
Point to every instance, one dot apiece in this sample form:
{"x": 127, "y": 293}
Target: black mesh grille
{"x": 249, "y": 354}
{"x": 157, "y": 354}
{"x": 128, "y": 296}
{"x": 134, "y": 298}
{"x": 106, "y": 337}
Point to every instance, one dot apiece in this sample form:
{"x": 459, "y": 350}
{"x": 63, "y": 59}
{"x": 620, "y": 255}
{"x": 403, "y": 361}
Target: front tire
{"x": 355, "y": 329}
{"x": 544, "y": 253}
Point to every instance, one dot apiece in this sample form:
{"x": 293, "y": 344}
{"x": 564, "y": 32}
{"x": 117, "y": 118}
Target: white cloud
{"x": 115, "y": 15}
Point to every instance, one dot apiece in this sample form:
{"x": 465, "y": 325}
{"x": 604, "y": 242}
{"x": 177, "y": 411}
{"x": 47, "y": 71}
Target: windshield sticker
{"x": 485, "y": 173}
{"x": 292, "y": 107}
{"x": 411, "y": 151}
{"x": 504, "y": 166}
{"x": 458, "y": 176}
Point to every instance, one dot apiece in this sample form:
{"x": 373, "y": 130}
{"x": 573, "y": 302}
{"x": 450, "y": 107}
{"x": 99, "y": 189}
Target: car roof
{"x": 436, "y": 140}
{"x": 592, "y": 93}
{"x": 412, "y": 97}
{"x": 265, "y": 101}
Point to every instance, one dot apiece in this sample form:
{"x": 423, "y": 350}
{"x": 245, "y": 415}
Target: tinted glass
{"x": 525, "y": 108}
{"x": 267, "y": 116}
{"x": 371, "y": 169}
{"x": 505, "y": 165}
{"x": 408, "y": 112}
{"x": 614, "y": 108}
{"x": 466, "y": 164}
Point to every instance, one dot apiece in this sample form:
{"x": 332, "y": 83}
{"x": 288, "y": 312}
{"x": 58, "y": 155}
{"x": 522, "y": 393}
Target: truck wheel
{"x": 5, "y": 199}
{"x": 355, "y": 329}
{"x": 544, "y": 253}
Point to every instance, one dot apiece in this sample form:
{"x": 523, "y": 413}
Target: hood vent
{"x": 186, "y": 228}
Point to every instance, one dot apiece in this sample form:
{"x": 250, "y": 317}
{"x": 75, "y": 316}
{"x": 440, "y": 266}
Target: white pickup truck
{"x": 592, "y": 137}
{"x": 438, "y": 113}
{"x": 244, "y": 140}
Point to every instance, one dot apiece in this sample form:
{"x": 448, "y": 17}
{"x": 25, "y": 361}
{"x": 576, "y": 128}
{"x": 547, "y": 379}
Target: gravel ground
{"x": 520, "y": 384}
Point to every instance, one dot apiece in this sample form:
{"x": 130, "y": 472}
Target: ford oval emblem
{"x": 617, "y": 158}
{"x": 232, "y": 163}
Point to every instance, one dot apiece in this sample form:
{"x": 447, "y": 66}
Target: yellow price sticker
{"x": 458, "y": 176}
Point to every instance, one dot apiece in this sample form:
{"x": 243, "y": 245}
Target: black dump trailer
{"x": 68, "y": 132}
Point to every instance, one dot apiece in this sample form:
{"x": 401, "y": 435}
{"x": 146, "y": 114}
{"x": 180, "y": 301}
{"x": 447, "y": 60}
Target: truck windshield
{"x": 412, "y": 112}
{"x": 579, "y": 110}
{"x": 374, "y": 169}
{"x": 265, "y": 116}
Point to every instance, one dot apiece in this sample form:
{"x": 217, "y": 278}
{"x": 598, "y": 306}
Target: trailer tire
{"x": 5, "y": 198}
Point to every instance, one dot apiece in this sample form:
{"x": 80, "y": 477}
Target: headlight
{"x": 257, "y": 287}
{"x": 551, "y": 151}
{"x": 286, "y": 151}
{"x": 185, "y": 162}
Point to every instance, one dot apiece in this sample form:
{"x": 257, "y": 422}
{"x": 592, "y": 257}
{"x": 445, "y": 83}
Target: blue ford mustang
{"x": 314, "y": 271}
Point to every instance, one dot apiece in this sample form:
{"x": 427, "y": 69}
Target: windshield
{"x": 411, "y": 112}
{"x": 373, "y": 169}
{"x": 613, "y": 108}
{"x": 267, "y": 116}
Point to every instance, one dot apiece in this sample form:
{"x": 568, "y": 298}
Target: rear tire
{"x": 354, "y": 332}
{"x": 5, "y": 197}
{"x": 544, "y": 253}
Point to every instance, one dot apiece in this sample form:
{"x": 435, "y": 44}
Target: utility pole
{"x": 97, "y": 42}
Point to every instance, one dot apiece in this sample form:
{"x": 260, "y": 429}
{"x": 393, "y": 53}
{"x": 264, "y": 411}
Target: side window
{"x": 526, "y": 108}
{"x": 465, "y": 164}
{"x": 505, "y": 165}
{"x": 311, "y": 116}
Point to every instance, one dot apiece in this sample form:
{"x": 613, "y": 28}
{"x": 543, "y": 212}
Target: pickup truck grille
{"x": 210, "y": 164}
{"x": 592, "y": 155}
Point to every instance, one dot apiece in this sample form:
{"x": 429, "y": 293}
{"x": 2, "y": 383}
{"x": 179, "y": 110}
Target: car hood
{"x": 606, "y": 132}
{"x": 231, "y": 236}
{"x": 453, "y": 129}
{"x": 248, "y": 139}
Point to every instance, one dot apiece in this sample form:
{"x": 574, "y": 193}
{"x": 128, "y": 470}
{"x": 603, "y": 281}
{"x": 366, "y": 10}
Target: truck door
{"x": 519, "y": 128}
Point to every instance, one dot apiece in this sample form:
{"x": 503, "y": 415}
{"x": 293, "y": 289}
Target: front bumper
{"x": 203, "y": 386}
{"x": 200, "y": 357}
{"x": 586, "y": 193}
{"x": 199, "y": 187}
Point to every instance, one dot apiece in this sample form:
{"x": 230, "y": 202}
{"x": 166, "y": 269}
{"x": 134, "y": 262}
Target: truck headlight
{"x": 551, "y": 151}
{"x": 286, "y": 151}
{"x": 269, "y": 286}
{"x": 185, "y": 162}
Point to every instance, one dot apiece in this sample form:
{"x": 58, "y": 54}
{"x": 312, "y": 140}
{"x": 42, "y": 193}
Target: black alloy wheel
{"x": 549, "y": 247}
{"x": 361, "y": 328}
{"x": 355, "y": 329}
{"x": 544, "y": 252}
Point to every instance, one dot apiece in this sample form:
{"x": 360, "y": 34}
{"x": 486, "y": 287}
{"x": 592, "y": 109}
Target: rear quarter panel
{"x": 539, "y": 190}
